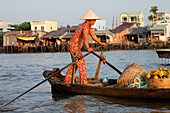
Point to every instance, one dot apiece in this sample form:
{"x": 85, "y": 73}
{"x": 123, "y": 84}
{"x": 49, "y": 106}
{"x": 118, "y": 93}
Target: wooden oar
{"x": 108, "y": 63}
{"x": 47, "y": 78}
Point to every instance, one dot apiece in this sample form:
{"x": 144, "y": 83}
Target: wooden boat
{"x": 104, "y": 89}
{"x": 163, "y": 53}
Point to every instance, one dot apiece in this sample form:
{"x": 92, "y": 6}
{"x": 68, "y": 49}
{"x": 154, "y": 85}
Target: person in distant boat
{"x": 76, "y": 43}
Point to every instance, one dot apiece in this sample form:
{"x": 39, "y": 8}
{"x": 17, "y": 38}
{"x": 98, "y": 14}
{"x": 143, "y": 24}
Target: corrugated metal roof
{"x": 73, "y": 28}
{"x": 28, "y": 34}
{"x": 138, "y": 30}
{"x": 12, "y": 33}
{"x": 122, "y": 27}
{"x": 68, "y": 36}
{"x": 103, "y": 32}
{"x": 158, "y": 27}
{"x": 55, "y": 33}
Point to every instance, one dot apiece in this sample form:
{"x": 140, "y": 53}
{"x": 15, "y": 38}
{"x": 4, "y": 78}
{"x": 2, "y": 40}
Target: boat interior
{"x": 59, "y": 78}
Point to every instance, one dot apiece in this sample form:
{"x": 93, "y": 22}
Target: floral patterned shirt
{"x": 77, "y": 41}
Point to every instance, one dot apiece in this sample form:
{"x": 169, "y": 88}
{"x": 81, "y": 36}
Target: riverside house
{"x": 161, "y": 17}
{"x": 130, "y": 32}
{"x": 54, "y": 37}
{"x": 63, "y": 36}
{"x": 132, "y": 17}
{"x": 122, "y": 31}
{"x": 46, "y": 26}
{"x": 161, "y": 31}
{"x": 58, "y": 37}
{"x": 4, "y": 27}
{"x": 22, "y": 38}
{"x": 138, "y": 35}
{"x": 105, "y": 36}
{"x": 100, "y": 25}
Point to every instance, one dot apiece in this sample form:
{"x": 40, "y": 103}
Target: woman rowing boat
{"x": 76, "y": 43}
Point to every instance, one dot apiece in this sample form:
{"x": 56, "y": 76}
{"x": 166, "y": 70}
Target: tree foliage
{"x": 68, "y": 26}
{"x": 62, "y": 27}
{"x": 26, "y": 26}
{"x": 150, "y": 17}
{"x": 153, "y": 10}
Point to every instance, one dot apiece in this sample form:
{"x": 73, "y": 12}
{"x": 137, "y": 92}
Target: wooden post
{"x": 41, "y": 49}
{"x": 11, "y": 50}
{"x": 75, "y": 59}
{"x": 73, "y": 74}
{"x": 98, "y": 68}
{"x": 7, "y": 49}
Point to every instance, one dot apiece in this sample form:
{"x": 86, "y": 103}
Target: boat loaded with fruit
{"x": 134, "y": 82}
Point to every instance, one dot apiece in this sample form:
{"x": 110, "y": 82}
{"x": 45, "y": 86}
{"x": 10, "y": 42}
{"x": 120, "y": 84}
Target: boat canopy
{"x": 26, "y": 38}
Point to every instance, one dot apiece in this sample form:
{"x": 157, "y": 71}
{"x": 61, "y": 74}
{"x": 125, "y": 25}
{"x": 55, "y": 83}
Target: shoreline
{"x": 64, "y": 48}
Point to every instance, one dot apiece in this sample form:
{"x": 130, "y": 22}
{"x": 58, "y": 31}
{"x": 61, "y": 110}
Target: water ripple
{"x": 21, "y": 74}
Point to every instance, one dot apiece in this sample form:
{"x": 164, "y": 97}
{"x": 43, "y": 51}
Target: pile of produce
{"x": 157, "y": 74}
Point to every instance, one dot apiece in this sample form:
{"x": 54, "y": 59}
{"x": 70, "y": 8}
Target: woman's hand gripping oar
{"x": 47, "y": 78}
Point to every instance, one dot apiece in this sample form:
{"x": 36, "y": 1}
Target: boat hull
{"x": 142, "y": 93}
{"x": 163, "y": 53}
{"x": 58, "y": 86}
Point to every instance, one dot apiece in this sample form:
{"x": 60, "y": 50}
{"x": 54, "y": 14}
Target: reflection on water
{"x": 139, "y": 103}
{"x": 94, "y": 103}
{"x": 20, "y": 72}
{"x": 76, "y": 104}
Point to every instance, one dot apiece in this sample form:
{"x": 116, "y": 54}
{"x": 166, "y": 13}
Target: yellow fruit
{"x": 156, "y": 73}
{"x": 148, "y": 75}
{"x": 160, "y": 68}
{"x": 157, "y": 70}
{"x": 155, "y": 77}
{"x": 164, "y": 69}
{"x": 161, "y": 73}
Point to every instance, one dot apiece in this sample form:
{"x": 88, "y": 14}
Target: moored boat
{"x": 109, "y": 89}
{"x": 163, "y": 53}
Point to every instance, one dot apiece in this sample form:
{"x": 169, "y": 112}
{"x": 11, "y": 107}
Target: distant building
{"x": 4, "y": 26}
{"x": 54, "y": 37}
{"x": 10, "y": 38}
{"x": 46, "y": 26}
{"x": 138, "y": 35}
{"x": 22, "y": 38}
{"x": 100, "y": 25}
{"x": 161, "y": 17}
{"x": 161, "y": 31}
{"x": 132, "y": 17}
{"x": 121, "y": 32}
{"x": 63, "y": 36}
{"x": 105, "y": 36}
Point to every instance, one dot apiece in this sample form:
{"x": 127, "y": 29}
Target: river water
{"x": 20, "y": 72}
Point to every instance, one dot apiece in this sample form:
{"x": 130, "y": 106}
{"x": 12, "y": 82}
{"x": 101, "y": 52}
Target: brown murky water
{"x": 19, "y": 72}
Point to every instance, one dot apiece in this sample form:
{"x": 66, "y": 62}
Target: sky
{"x": 69, "y": 12}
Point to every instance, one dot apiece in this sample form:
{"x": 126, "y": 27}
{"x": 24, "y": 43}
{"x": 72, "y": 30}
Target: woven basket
{"x": 158, "y": 83}
{"x": 128, "y": 75}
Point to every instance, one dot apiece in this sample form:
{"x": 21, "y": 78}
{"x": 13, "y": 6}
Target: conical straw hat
{"x": 90, "y": 15}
